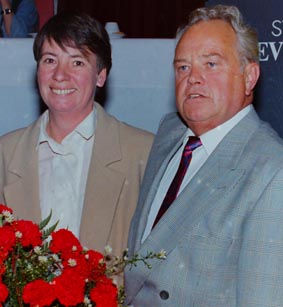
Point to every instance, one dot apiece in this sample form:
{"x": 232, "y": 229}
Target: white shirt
{"x": 209, "y": 142}
{"x": 63, "y": 171}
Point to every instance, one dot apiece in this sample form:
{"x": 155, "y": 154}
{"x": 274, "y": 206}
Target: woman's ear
{"x": 101, "y": 78}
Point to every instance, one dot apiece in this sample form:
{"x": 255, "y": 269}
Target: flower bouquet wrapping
{"x": 44, "y": 267}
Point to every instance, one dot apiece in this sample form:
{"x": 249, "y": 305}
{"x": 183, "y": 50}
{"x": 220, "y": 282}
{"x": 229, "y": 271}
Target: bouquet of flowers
{"x": 43, "y": 267}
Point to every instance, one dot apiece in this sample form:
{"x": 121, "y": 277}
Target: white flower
{"x": 74, "y": 248}
{"x": 8, "y": 216}
{"x": 87, "y": 302}
{"x": 42, "y": 259}
{"x": 18, "y": 234}
{"x": 37, "y": 250}
{"x": 56, "y": 257}
{"x": 72, "y": 262}
{"x": 108, "y": 249}
{"x": 162, "y": 254}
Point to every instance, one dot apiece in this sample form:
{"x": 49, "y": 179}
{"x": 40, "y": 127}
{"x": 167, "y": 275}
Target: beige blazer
{"x": 116, "y": 169}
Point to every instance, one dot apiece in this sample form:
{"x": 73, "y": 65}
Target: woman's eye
{"x": 78, "y": 63}
{"x": 48, "y": 60}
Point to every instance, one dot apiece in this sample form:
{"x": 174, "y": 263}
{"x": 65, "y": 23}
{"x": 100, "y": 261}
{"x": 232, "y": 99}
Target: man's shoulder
{"x": 268, "y": 137}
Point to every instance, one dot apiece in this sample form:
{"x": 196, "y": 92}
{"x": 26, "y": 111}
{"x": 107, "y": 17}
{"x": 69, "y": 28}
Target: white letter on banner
{"x": 276, "y": 27}
{"x": 275, "y": 51}
{"x": 262, "y": 49}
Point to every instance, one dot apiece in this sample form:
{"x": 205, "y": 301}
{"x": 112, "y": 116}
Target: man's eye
{"x": 211, "y": 64}
{"x": 182, "y": 68}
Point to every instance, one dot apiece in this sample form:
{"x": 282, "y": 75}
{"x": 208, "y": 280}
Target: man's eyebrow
{"x": 212, "y": 54}
{"x": 179, "y": 60}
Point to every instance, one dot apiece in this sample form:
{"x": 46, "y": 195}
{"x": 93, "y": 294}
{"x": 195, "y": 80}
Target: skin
{"x": 67, "y": 82}
{"x": 212, "y": 84}
{"x": 7, "y": 19}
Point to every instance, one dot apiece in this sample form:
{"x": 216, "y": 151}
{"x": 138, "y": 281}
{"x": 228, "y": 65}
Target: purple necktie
{"x": 193, "y": 143}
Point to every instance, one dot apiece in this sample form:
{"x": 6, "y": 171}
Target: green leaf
{"x": 44, "y": 223}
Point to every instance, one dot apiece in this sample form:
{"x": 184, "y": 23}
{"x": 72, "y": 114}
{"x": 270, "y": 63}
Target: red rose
{"x": 5, "y": 208}
{"x": 38, "y": 293}
{"x": 95, "y": 265}
{"x": 77, "y": 263}
{"x": 7, "y": 240}
{"x": 69, "y": 288}
{"x": 63, "y": 241}
{"x": 30, "y": 233}
{"x": 3, "y": 293}
{"x": 104, "y": 294}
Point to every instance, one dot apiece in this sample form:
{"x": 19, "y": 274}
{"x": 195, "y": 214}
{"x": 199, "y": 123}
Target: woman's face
{"x": 67, "y": 79}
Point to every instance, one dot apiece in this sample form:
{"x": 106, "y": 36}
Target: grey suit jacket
{"x": 224, "y": 233}
{"x": 118, "y": 161}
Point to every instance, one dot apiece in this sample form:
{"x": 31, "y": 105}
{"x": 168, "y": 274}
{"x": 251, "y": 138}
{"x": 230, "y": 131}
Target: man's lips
{"x": 193, "y": 96}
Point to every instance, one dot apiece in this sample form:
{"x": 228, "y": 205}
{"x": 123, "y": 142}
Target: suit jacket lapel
{"x": 161, "y": 153}
{"x": 104, "y": 183}
{"x": 22, "y": 190}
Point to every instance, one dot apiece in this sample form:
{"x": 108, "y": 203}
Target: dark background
{"x": 138, "y": 18}
{"x": 161, "y": 18}
{"x": 261, "y": 14}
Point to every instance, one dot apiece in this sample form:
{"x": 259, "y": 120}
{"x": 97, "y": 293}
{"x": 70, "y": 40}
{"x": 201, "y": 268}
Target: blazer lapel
{"x": 162, "y": 151}
{"x": 22, "y": 190}
{"x": 104, "y": 183}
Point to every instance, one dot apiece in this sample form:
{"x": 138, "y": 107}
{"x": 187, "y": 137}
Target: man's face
{"x": 67, "y": 80}
{"x": 212, "y": 85}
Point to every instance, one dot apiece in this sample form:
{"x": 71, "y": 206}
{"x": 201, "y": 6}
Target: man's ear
{"x": 252, "y": 72}
{"x": 101, "y": 78}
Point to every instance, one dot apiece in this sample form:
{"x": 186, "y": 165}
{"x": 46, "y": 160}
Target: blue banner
{"x": 266, "y": 16}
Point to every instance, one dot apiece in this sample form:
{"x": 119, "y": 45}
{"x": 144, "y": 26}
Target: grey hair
{"x": 246, "y": 35}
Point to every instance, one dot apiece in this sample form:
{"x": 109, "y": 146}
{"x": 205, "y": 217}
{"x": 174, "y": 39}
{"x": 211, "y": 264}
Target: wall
{"x": 139, "y": 91}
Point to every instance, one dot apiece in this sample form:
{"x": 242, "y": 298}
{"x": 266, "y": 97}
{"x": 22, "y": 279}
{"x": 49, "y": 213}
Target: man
{"x": 18, "y": 18}
{"x": 76, "y": 160}
{"x": 223, "y": 233}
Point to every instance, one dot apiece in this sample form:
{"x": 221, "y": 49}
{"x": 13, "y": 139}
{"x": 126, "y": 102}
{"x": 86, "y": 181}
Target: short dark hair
{"x": 79, "y": 30}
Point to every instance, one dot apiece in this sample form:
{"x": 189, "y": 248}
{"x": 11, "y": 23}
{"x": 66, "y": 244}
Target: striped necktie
{"x": 193, "y": 143}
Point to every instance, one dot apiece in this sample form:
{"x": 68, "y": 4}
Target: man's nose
{"x": 195, "y": 75}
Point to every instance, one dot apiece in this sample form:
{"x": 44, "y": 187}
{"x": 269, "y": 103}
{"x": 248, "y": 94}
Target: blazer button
{"x": 164, "y": 295}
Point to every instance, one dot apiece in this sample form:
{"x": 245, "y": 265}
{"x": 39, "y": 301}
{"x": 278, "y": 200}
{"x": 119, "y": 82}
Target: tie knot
{"x": 193, "y": 143}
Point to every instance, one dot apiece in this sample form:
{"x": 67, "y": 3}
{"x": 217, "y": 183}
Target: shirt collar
{"x": 85, "y": 129}
{"x": 213, "y": 137}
